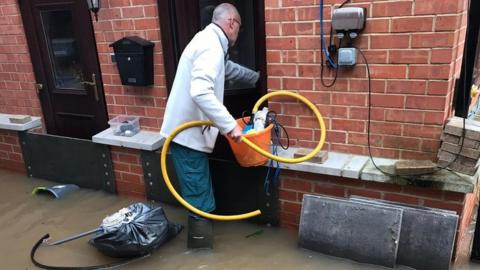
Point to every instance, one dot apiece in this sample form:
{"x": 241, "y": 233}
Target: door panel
{"x": 181, "y": 19}
{"x": 62, "y": 45}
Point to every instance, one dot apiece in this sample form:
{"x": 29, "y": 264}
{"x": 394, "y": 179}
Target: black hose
{"x": 94, "y": 267}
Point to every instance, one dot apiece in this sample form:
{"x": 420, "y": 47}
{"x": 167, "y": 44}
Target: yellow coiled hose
{"x": 163, "y": 158}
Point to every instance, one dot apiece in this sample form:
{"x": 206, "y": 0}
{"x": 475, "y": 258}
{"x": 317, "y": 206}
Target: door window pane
{"x": 243, "y": 52}
{"x": 62, "y": 49}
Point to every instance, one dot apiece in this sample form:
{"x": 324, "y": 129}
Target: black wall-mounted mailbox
{"x": 134, "y": 57}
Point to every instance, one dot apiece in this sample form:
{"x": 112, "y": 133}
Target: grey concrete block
{"x": 414, "y": 166}
{"x": 320, "y": 157}
{"x": 450, "y": 138}
{"x": 427, "y": 236}
{"x": 358, "y": 231}
{"x": 465, "y": 151}
{"x": 457, "y": 166}
{"x": 468, "y": 122}
{"x": 466, "y": 161}
{"x": 445, "y": 155}
{"x": 332, "y": 166}
{"x": 462, "y": 164}
{"x": 470, "y": 143}
{"x": 455, "y": 127}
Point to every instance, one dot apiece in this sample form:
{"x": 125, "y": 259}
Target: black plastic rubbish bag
{"x": 142, "y": 229}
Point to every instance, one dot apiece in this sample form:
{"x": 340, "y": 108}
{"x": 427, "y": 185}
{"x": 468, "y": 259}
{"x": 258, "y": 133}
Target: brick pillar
{"x": 10, "y": 152}
{"x": 128, "y": 171}
{"x": 118, "y": 19}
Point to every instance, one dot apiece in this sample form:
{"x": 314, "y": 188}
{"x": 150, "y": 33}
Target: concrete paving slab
{"x": 362, "y": 232}
{"x": 427, "y": 236}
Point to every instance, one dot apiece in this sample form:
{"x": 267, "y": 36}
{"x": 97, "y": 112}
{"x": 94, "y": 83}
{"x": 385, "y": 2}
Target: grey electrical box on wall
{"x": 348, "y": 19}
{"x": 347, "y": 56}
{"x": 134, "y": 57}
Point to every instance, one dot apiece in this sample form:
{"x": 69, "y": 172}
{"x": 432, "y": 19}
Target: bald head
{"x": 224, "y": 11}
{"x": 226, "y": 16}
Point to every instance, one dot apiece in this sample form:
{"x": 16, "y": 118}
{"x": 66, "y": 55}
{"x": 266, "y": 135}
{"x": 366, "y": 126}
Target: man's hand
{"x": 236, "y": 134}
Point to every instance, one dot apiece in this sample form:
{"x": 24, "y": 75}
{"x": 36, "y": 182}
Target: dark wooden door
{"x": 63, "y": 50}
{"x": 237, "y": 189}
{"x": 182, "y": 19}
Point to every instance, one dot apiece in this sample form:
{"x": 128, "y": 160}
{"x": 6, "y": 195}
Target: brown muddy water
{"x": 24, "y": 218}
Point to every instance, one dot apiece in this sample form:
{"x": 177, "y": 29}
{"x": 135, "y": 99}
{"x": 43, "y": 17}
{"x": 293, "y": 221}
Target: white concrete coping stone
{"x": 5, "y": 123}
{"x": 143, "y": 140}
{"x": 361, "y": 167}
{"x": 338, "y": 164}
{"x": 442, "y": 179}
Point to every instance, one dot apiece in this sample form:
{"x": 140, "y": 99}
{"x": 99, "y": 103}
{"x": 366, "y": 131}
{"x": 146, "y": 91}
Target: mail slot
{"x": 134, "y": 57}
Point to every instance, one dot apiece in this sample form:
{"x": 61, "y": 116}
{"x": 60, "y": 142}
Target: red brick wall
{"x": 128, "y": 171}
{"x": 118, "y": 19}
{"x": 413, "y": 48}
{"x": 17, "y": 81}
{"x": 295, "y": 184}
{"x": 467, "y": 225}
{"x": 10, "y": 152}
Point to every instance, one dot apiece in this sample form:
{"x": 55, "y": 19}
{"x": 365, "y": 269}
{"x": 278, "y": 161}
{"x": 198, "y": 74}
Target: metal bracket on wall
{"x": 155, "y": 187}
{"x": 68, "y": 160}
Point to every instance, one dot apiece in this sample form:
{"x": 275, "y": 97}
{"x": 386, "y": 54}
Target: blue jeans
{"x": 193, "y": 173}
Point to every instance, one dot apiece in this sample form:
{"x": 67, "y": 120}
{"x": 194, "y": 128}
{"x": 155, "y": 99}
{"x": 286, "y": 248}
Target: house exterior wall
{"x": 414, "y": 48}
{"x": 17, "y": 82}
{"x": 296, "y": 184}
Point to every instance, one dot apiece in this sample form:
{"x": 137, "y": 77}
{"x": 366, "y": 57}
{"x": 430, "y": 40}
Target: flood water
{"x": 24, "y": 218}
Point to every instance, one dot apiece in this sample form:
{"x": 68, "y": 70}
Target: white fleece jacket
{"x": 198, "y": 88}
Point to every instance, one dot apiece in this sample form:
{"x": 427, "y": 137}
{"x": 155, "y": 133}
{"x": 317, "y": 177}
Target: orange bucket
{"x": 246, "y": 156}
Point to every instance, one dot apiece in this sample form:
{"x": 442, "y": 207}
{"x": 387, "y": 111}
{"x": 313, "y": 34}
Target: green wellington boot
{"x": 200, "y": 232}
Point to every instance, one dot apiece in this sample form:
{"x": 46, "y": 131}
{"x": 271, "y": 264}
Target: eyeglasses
{"x": 235, "y": 20}
{"x": 240, "y": 27}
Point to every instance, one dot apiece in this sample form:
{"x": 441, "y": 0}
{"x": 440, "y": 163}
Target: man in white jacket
{"x": 197, "y": 94}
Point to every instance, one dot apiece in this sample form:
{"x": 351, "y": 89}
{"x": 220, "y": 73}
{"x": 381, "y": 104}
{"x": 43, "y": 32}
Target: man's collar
{"x": 221, "y": 35}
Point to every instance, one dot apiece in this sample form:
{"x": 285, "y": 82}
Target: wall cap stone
{"x": 361, "y": 167}
{"x": 143, "y": 140}
{"x": 5, "y": 123}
